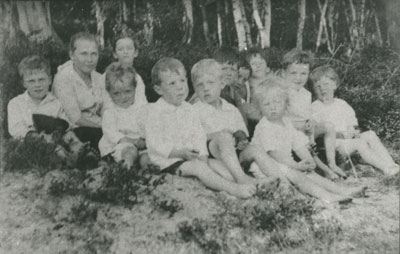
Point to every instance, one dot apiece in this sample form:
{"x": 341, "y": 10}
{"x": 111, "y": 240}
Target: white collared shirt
{"x": 299, "y": 106}
{"x": 339, "y": 113}
{"x": 118, "y": 123}
{"x": 76, "y": 97}
{"x": 216, "y": 119}
{"x": 282, "y": 138}
{"x": 169, "y": 127}
{"x": 22, "y": 107}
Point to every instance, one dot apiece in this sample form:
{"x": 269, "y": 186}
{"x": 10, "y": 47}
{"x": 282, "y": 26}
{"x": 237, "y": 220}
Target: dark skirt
{"x": 89, "y": 134}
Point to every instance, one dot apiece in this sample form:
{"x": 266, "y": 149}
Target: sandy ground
{"x": 31, "y": 224}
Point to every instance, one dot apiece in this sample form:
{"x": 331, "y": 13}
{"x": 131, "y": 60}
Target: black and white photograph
{"x": 200, "y": 126}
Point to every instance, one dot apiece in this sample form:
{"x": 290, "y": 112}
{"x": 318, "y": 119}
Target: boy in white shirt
{"x": 297, "y": 66}
{"x": 37, "y": 112}
{"x": 175, "y": 139}
{"x": 276, "y": 134}
{"x": 227, "y": 135}
{"x": 336, "y": 111}
{"x": 123, "y": 120}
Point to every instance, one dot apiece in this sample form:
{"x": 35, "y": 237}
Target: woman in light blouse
{"x": 81, "y": 89}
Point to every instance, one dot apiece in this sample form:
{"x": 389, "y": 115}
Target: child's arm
{"x": 303, "y": 165}
{"x": 17, "y": 127}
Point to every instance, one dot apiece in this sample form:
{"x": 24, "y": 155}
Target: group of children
{"x": 240, "y": 128}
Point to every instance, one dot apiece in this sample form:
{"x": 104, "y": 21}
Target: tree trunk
{"x": 240, "y": 30}
{"x": 392, "y": 10}
{"x": 100, "y": 19}
{"x": 246, "y": 25}
{"x": 148, "y": 29}
{"x": 205, "y": 23}
{"x": 219, "y": 30}
{"x": 188, "y": 21}
{"x": 125, "y": 12}
{"x": 267, "y": 22}
{"x": 322, "y": 26}
{"x": 5, "y": 25}
{"x": 34, "y": 19}
{"x": 264, "y": 37}
{"x": 300, "y": 28}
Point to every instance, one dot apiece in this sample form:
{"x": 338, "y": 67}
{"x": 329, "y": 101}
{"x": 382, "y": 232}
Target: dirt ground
{"x": 32, "y": 224}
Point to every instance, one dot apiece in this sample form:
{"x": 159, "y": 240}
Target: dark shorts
{"x": 89, "y": 134}
{"x": 212, "y": 156}
{"x": 173, "y": 169}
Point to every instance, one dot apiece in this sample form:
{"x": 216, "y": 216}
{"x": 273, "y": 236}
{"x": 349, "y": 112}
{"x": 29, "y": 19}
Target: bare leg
{"x": 308, "y": 186}
{"x": 223, "y": 148}
{"x": 220, "y": 169}
{"x": 129, "y": 156}
{"x": 328, "y": 131}
{"x": 327, "y": 171}
{"x": 334, "y": 187}
{"x": 214, "y": 181}
{"x": 376, "y": 145}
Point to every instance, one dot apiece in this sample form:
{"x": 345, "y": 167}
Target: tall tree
{"x": 263, "y": 27}
{"x": 188, "y": 21}
{"x": 392, "y": 10}
{"x": 239, "y": 24}
{"x": 300, "y": 28}
{"x": 100, "y": 19}
{"x": 148, "y": 29}
{"x": 206, "y": 30}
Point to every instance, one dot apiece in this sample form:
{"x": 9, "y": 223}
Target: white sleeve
{"x": 262, "y": 137}
{"x": 17, "y": 127}
{"x": 239, "y": 122}
{"x": 140, "y": 91}
{"x": 109, "y": 127}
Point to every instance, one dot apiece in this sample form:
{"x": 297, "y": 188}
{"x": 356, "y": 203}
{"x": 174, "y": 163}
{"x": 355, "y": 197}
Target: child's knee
{"x": 253, "y": 152}
{"x": 225, "y": 139}
{"x": 369, "y": 135}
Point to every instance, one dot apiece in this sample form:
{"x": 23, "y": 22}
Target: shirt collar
{"x": 168, "y": 107}
{"x": 225, "y": 106}
{"x": 49, "y": 98}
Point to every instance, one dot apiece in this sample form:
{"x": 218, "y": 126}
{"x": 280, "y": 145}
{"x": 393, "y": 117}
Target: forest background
{"x": 47, "y": 208}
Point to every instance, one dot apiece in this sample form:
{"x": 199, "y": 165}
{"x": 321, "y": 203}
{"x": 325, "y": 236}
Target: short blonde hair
{"x": 164, "y": 65}
{"x": 271, "y": 83}
{"x": 33, "y": 63}
{"x": 322, "y": 71}
{"x": 116, "y": 72}
{"x": 296, "y": 56}
{"x": 205, "y": 66}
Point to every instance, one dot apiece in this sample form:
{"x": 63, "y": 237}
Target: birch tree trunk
{"x": 188, "y": 21}
{"x": 205, "y": 23}
{"x": 148, "y": 29}
{"x": 392, "y": 10}
{"x": 249, "y": 41}
{"x": 240, "y": 30}
{"x": 125, "y": 12}
{"x": 300, "y": 28}
{"x": 100, "y": 19}
{"x": 262, "y": 31}
{"x": 267, "y": 22}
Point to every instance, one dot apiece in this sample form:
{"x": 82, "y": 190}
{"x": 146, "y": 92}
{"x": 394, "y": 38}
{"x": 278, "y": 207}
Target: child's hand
{"x": 127, "y": 140}
{"x": 309, "y": 126}
{"x": 241, "y": 145}
{"x": 305, "y": 166}
{"x": 140, "y": 143}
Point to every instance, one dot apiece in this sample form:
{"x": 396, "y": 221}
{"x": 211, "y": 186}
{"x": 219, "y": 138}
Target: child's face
{"x": 258, "y": 66}
{"x": 173, "y": 88}
{"x": 297, "y": 74}
{"x": 325, "y": 88}
{"x": 273, "y": 105}
{"x": 85, "y": 56}
{"x": 122, "y": 93}
{"x": 37, "y": 82}
{"x": 125, "y": 51}
{"x": 229, "y": 73}
{"x": 244, "y": 75}
{"x": 208, "y": 88}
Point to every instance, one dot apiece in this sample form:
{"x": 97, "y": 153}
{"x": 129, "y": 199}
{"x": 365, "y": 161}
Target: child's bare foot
{"x": 392, "y": 170}
{"x": 338, "y": 199}
{"x": 331, "y": 175}
{"x": 244, "y": 190}
{"x": 338, "y": 171}
{"x": 248, "y": 180}
{"x": 358, "y": 192}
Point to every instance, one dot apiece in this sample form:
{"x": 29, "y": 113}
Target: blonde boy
{"x": 336, "y": 111}
{"x": 123, "y": 120}
{"x": 297, "y": 66}
{"x": 277, "y": 136}
{"x": 35, "y": 73}
{"x": 175, "y": 139}
{"x": 227, "y": 135}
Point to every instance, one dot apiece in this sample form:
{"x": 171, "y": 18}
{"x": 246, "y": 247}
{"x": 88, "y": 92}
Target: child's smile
{"x": 297, "y": 74}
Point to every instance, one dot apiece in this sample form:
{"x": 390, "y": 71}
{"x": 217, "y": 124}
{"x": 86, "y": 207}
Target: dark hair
{"x": 321, "y": 71}
{"x": 116, "y": 72}
{"x": 33, "y": 62}
{"x": 81, "y": 36}
{"x": 297, "y": 56}
{"x": 226, "y": 55}
{"x": 124, "y": 34}
{"x": 163, "y": 65}
{"x": 252, "y": 52}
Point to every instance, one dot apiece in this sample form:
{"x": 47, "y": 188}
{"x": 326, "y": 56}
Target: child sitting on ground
{"x": 277, "y": 136}
{"x": 123, "y": 120}
{"x": 175, "y": 139}
{"x": 336, "y": 111}
{"x": 37, "y": 107}
{"x": 227, "y": 135}
{"x": 297, "y": 66}
{"x": 125, "y": 51}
